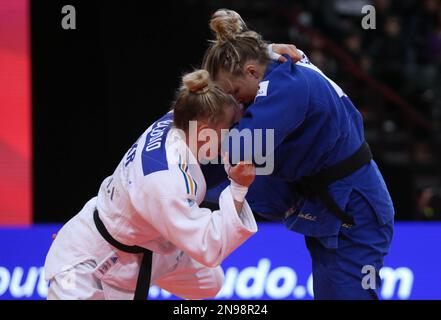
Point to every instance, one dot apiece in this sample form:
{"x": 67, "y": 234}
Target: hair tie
{"x": 203, "y": 90}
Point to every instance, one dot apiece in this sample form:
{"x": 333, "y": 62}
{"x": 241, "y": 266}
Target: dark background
{"x": 97, "y": 88}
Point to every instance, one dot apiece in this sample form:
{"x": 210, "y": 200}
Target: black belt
{"x": 145, "y": 271}
{"x": 316, "y": 185}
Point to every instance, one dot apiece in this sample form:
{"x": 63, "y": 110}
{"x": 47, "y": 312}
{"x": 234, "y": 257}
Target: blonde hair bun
{"x": 226, "y": 24}
{"x": 197, "y": 82}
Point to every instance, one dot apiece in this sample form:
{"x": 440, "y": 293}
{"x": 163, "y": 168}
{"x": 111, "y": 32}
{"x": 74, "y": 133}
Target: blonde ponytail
{"x": 235, "y": 45}
{"x": 226, "y": 24}
{"x": 197, "y": 82}
{"x": 199, "y": 99}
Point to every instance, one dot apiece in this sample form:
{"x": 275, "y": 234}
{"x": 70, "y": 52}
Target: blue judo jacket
{"x": 315, "y": 126}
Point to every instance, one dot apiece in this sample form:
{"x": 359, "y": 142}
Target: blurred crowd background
{"x": 97, "y": 88}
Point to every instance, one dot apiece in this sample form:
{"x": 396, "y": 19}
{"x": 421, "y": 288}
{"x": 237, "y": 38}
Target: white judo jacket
{"x": 152, "y": 201}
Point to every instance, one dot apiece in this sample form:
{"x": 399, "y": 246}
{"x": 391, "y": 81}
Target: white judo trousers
{"x": 158, "y": 210}
{"x": 97, "y": 277}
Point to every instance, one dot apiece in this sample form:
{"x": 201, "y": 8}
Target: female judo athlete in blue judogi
{"x": 325, "y": 184}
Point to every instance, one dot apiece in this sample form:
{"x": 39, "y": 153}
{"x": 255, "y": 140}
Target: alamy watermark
{"x": 369, "y": 21}
{"x": 69, "y": 20}
{"x": 369, "y": 281}
{"x": 209, "y": 145}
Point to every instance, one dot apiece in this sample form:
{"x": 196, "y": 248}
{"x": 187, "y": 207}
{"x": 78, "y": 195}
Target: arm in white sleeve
{"x": 206, "y": 236}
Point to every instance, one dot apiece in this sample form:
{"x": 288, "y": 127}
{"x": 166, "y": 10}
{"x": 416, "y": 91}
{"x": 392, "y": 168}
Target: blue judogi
{"x": 316, "y": 126}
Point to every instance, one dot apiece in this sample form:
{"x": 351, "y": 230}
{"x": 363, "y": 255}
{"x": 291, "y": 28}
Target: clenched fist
{"x": 243, "y": 173}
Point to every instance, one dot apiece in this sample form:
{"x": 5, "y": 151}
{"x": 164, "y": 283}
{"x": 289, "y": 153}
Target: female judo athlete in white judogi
{"x": 147, "y": 214}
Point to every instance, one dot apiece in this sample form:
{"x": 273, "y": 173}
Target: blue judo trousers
{"x": 316, "y": 126}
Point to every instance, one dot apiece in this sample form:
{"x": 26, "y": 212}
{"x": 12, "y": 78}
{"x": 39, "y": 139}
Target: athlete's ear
{"x": 251, "y": 70}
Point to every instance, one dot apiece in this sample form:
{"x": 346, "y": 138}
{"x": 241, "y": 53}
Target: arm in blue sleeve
{"x": 270, "y": 198}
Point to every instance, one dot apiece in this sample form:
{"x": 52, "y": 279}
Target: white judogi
{"x": 152, "y": 201}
